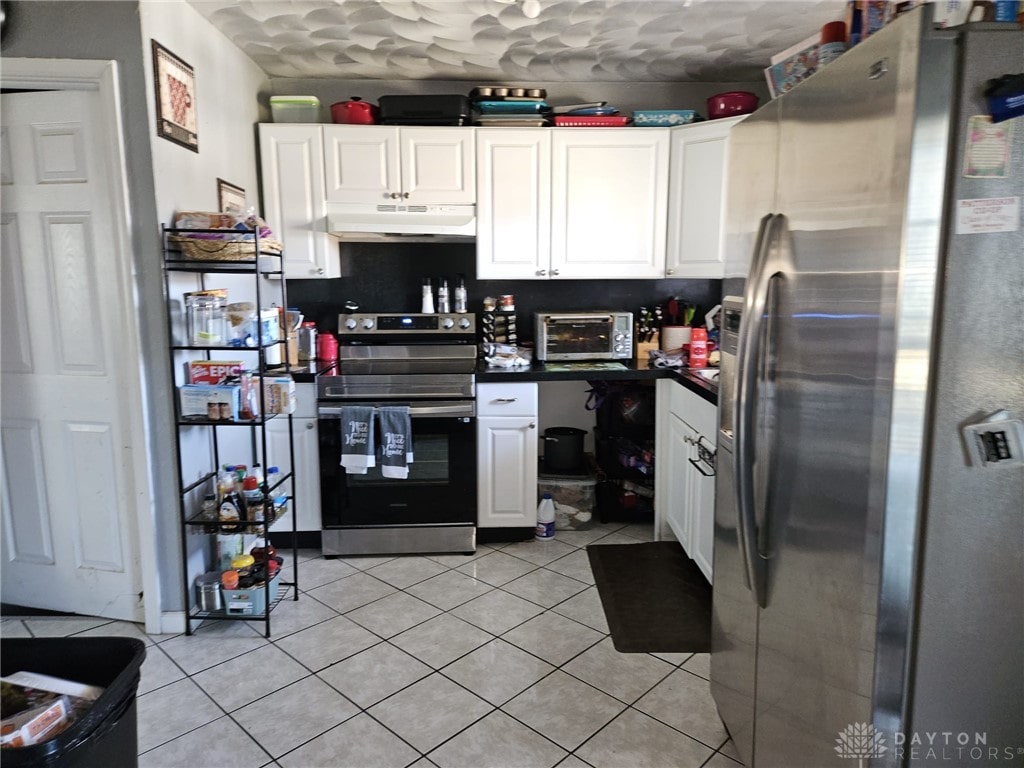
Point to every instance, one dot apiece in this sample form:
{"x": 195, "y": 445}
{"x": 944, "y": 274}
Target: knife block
{"x": 643, "y": 348}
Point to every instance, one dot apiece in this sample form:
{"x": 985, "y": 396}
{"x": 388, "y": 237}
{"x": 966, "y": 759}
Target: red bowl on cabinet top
{"x": 731, "y": 103}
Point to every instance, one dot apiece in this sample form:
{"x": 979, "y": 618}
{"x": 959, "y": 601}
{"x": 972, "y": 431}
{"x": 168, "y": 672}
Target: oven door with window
{"x": 432, "y": 510}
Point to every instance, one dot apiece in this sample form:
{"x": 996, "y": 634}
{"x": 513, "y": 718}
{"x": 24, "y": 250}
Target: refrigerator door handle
{"x": 745, "y": 409}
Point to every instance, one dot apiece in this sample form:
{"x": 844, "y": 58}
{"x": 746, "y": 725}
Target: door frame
{"x": 102, "y": 76}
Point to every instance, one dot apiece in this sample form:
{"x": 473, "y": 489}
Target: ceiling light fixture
{"x": 531, "y": 8}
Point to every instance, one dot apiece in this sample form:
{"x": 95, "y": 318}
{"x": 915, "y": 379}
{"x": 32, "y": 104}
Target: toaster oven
{"x": 597, "y": 335}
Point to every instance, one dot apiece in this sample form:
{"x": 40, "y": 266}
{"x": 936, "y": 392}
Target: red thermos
{"x": 699, "y": 348}
{"x": 326, "y": 347}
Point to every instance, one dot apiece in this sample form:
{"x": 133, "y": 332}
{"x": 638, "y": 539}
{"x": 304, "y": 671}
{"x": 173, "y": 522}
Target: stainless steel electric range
{"x": 426, "y": 362}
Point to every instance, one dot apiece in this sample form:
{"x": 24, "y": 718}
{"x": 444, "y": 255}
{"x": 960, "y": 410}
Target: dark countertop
{"x": 635, "y": 370}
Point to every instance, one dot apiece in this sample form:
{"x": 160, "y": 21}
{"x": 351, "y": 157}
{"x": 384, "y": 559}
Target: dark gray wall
{"x": 110, "y": 31}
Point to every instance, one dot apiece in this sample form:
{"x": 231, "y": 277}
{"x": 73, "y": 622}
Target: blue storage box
{"x": 662, "y": 118}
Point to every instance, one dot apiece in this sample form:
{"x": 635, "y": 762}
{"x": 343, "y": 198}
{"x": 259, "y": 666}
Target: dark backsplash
{"x": 387, "y": 277}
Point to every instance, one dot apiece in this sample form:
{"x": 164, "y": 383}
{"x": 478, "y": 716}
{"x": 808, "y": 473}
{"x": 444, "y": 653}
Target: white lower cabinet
{"x": 507, "y": 449}
{"x": 307, "y": 460}
{"x": 685, "y": 494}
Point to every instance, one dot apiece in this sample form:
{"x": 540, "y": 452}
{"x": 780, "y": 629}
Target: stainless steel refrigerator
{"x": 869, "y": 522}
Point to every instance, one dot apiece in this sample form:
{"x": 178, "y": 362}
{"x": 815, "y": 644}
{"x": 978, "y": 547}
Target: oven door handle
{"x": 415, "y": 411}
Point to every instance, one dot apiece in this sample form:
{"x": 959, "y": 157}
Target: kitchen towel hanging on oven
{"x": 396, "y": 441}
{"x": 357, "y": 449}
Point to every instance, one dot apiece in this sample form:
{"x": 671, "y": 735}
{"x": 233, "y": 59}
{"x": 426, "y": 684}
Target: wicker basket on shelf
{"x": 202, "y": 249}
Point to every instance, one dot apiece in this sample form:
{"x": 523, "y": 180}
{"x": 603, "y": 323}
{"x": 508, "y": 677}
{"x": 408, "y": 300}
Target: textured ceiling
{"x": 492, "y": 41}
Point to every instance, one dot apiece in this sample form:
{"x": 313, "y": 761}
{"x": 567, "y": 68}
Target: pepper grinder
{"x": 460, "y": 295}
{"x": 443, "y": 304}
{"x": 428, "y": 298}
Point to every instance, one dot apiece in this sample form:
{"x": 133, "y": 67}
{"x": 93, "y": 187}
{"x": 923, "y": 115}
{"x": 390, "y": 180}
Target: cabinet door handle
{"x": 670, "y": 271}
{"x": 320, "y": 271}
{"x": 310, "y": 424}
{"x": 541, "y": 272}
{"x": 554, "y": 271}
{"x": 405, "y": 195}
{"x": 533, "y": 425}
{"x": 393, "y": 195}
{"x": 506, "y": 399}
{"x": 700, "y": 469}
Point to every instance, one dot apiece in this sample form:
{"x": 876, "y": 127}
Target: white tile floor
{"x": 499, "y": 659}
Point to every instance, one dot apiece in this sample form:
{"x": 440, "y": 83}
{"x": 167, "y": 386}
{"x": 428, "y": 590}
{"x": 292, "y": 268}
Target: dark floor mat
{"x": 655, "y": 598}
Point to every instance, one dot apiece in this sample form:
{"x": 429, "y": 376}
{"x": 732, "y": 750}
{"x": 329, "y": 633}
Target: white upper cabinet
{"x": 388, "y": 164}
{"x": 514, "y": 203}
{"x": 696, "y": 204}
{"x": 292, "y": 171}
{"x": 609, "y": 202}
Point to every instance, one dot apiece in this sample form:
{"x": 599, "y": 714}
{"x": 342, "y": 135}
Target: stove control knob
{"x": 351, "y": 324}
{"x": 447, "y": 323}
{"x": 620, "y": 336}
{"x": 367, "y": 323}
{"x": 464, "y": 323}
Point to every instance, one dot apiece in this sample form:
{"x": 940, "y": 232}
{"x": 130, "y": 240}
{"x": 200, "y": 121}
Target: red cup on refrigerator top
{"x": 326, "y": 347}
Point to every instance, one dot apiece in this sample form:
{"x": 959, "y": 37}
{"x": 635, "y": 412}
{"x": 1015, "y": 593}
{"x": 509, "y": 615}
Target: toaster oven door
{"x": 571, "y": 337}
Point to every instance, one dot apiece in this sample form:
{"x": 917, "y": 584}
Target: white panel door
{"x": 513, "y": 240}
{"x": 292, "y": 172}
{"x": 362, "y": 164}
{"x": 70, "y": 500}
{"x": 609, "y": 200}
{"x": 438, "y": 165}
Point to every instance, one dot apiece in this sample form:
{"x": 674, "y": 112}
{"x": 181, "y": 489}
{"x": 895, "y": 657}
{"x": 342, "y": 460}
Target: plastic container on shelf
{"x": 575, "y": 499}
{"x": 545, "y": 519}
{"x": 295, "y": 109}
{"x": 207, "y": 320}
{"x": 107, "y": 732}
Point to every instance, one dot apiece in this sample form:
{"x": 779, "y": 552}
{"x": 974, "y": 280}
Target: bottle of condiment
{"x": 443, "y": 304}
{"x": 253, "y": 496}
{"x": 210, "y": 512}
{"x": 427, "y": 305}
{"x": 231, "y": 512}
{"x": 460, "y": 296}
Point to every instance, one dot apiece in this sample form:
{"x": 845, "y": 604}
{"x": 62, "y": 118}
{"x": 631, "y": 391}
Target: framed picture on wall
{"x": 230, "y": 198}
{"x": 175, "y": 84}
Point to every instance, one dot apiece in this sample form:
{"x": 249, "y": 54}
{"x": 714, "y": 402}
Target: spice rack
{"x": 247, "y": 265}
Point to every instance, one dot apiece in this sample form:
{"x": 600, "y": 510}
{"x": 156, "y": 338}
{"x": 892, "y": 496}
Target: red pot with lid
{"x": 354, "y": 112}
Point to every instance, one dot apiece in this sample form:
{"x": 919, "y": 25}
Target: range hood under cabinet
{"x": 368, "y": 222}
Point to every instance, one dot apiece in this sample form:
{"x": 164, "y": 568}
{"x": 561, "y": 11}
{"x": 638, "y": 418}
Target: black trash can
{"x": 105, "y": 736}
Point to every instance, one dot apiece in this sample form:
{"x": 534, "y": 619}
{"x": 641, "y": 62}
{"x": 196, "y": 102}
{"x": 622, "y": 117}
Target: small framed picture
{"x": 175, "y": 84}
{"x": 230, "y": 199}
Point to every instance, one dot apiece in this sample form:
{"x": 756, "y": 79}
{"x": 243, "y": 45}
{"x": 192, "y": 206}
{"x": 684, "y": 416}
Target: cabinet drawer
{"x": 506, "y": 399}
{"x": 701, "y": 415}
